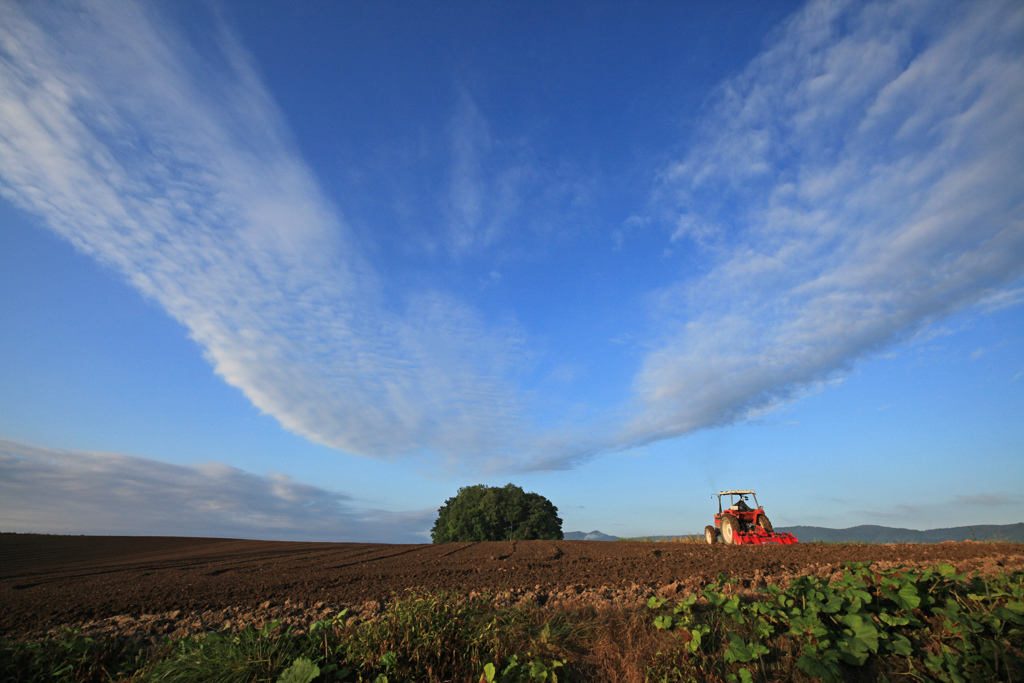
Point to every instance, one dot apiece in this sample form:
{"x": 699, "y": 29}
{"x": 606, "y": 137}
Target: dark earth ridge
{"x": 48, "y": 581}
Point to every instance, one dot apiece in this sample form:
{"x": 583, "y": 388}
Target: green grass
{"x": 69, "y": 656}
{"x": 898, "y": 624}
{"x": 247, "y": 655}
{"x": 447, "y": 636}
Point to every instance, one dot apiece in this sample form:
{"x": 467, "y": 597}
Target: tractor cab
{"x": 738, "y": 501}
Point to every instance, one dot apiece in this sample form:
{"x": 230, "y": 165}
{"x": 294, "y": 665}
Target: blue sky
{"x": 300, "y": 271}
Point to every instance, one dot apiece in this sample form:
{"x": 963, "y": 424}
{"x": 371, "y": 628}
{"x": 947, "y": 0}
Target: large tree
{"x": 490, "y": 513}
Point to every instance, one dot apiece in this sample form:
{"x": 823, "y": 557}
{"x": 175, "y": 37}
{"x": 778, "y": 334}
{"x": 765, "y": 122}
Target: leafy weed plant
{"x": 896, "y": 624}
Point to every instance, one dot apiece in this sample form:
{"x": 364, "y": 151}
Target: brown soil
{"x": 179, "y": 585}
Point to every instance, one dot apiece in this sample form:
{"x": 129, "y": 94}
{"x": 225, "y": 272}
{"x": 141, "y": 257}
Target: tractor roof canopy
{"x": 727, "y": 493}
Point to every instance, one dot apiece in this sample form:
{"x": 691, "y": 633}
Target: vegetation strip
{"x": 897, "y": 624}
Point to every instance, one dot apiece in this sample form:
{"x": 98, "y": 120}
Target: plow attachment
{"x": 761, "y": 537}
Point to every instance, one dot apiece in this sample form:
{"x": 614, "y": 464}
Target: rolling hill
{"x": 868, "y": 533}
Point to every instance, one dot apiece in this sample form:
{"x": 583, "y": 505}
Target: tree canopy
{"x": 490, "y": 513}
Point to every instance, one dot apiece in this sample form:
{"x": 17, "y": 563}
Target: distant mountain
{"x": 588, "y": 536}
{"x": 866, "y": 533}
{"x": 869, "y": 533}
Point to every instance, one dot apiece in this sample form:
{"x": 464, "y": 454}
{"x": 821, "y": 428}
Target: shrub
{"x": 489, "y": 513}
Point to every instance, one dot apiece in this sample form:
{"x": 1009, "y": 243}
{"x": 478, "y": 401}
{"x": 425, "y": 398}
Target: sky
{"x": 301, "y": 271}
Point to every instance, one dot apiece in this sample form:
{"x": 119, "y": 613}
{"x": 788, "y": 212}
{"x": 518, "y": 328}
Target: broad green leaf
{"x": 861, "y": 639}
{"x": 513, "y": 664}
{"x": 857, "y": 599}
{"x": 951, "y": 609}
{"x": 899, "y": 644}
{"x": 893, "y": 621}
{"x": 738, "y": 651}
{"x": 933, "y": 662}
{"x": 908, "y": 597}
{"x": 807, "y": 626}
{"x": 268, "y": 627}
{"x": 1007, "y": 615}
{"x": 821, "y": 663}
{"x": 302, "y": 670}
{"x": 488, "y": 674}
{"x": 763, "y": 628}
{"x": 862, "y": 628}
{"x": 834, "y": 604}
{"x": 664, "y": 622}
{"x": 714, "y": 597}
{"x": 686, "y": 602}
{"x": 695, "y": 639}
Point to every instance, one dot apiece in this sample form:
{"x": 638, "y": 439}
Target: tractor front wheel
{"x": 762, "y": 521}
{"x": 710, "y": 534}
{"x": 730, "y": 525}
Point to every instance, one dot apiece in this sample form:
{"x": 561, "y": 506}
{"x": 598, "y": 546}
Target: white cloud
{"x": 858, "y": 181}
{"x": 470, "y": 143}
{"x": 176, "y": 170}
{"x": 1004, "y": 299}
{"x": 867, "y": 167}
{"x": 53, "y": 491}
{"x": 501, "y": 192}
{"x": 989, "y": 500}
{"x": 993, "y": 507}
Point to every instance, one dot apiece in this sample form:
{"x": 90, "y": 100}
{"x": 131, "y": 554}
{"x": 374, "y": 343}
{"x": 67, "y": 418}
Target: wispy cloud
{"x": 471, "y": 223}
{"x": 858, "y": 181}
{"x": 52, "y": 491}
{"x": 501, "y": 193}
{"x": 1004, "y": 299}
{"x": 989, "y": 500}
{"x": 936, "y": 513}
{"x": 861, "y": 180}
{"x": 176, "y": 170}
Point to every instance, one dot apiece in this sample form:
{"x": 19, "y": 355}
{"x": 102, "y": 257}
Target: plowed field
{"x": 47, "y": 581}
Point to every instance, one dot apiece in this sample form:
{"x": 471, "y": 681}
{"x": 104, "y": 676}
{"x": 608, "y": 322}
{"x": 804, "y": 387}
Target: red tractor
{"x": 740, "y": 524}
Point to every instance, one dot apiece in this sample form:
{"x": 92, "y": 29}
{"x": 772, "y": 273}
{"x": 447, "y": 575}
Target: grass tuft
{"x": 446, "y": 636}
{"x": 249, "y": 655}
{"x": 69, "y": 656}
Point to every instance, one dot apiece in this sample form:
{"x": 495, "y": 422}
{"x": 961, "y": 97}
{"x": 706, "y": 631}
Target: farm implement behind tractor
{"x": 740, "y": 524}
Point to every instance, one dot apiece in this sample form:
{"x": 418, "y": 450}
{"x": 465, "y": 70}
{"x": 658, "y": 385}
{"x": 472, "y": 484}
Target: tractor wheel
{"x": 730, "y": 525}
{"x": 762, "y": 521}
{"x": 710, "y": 534}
